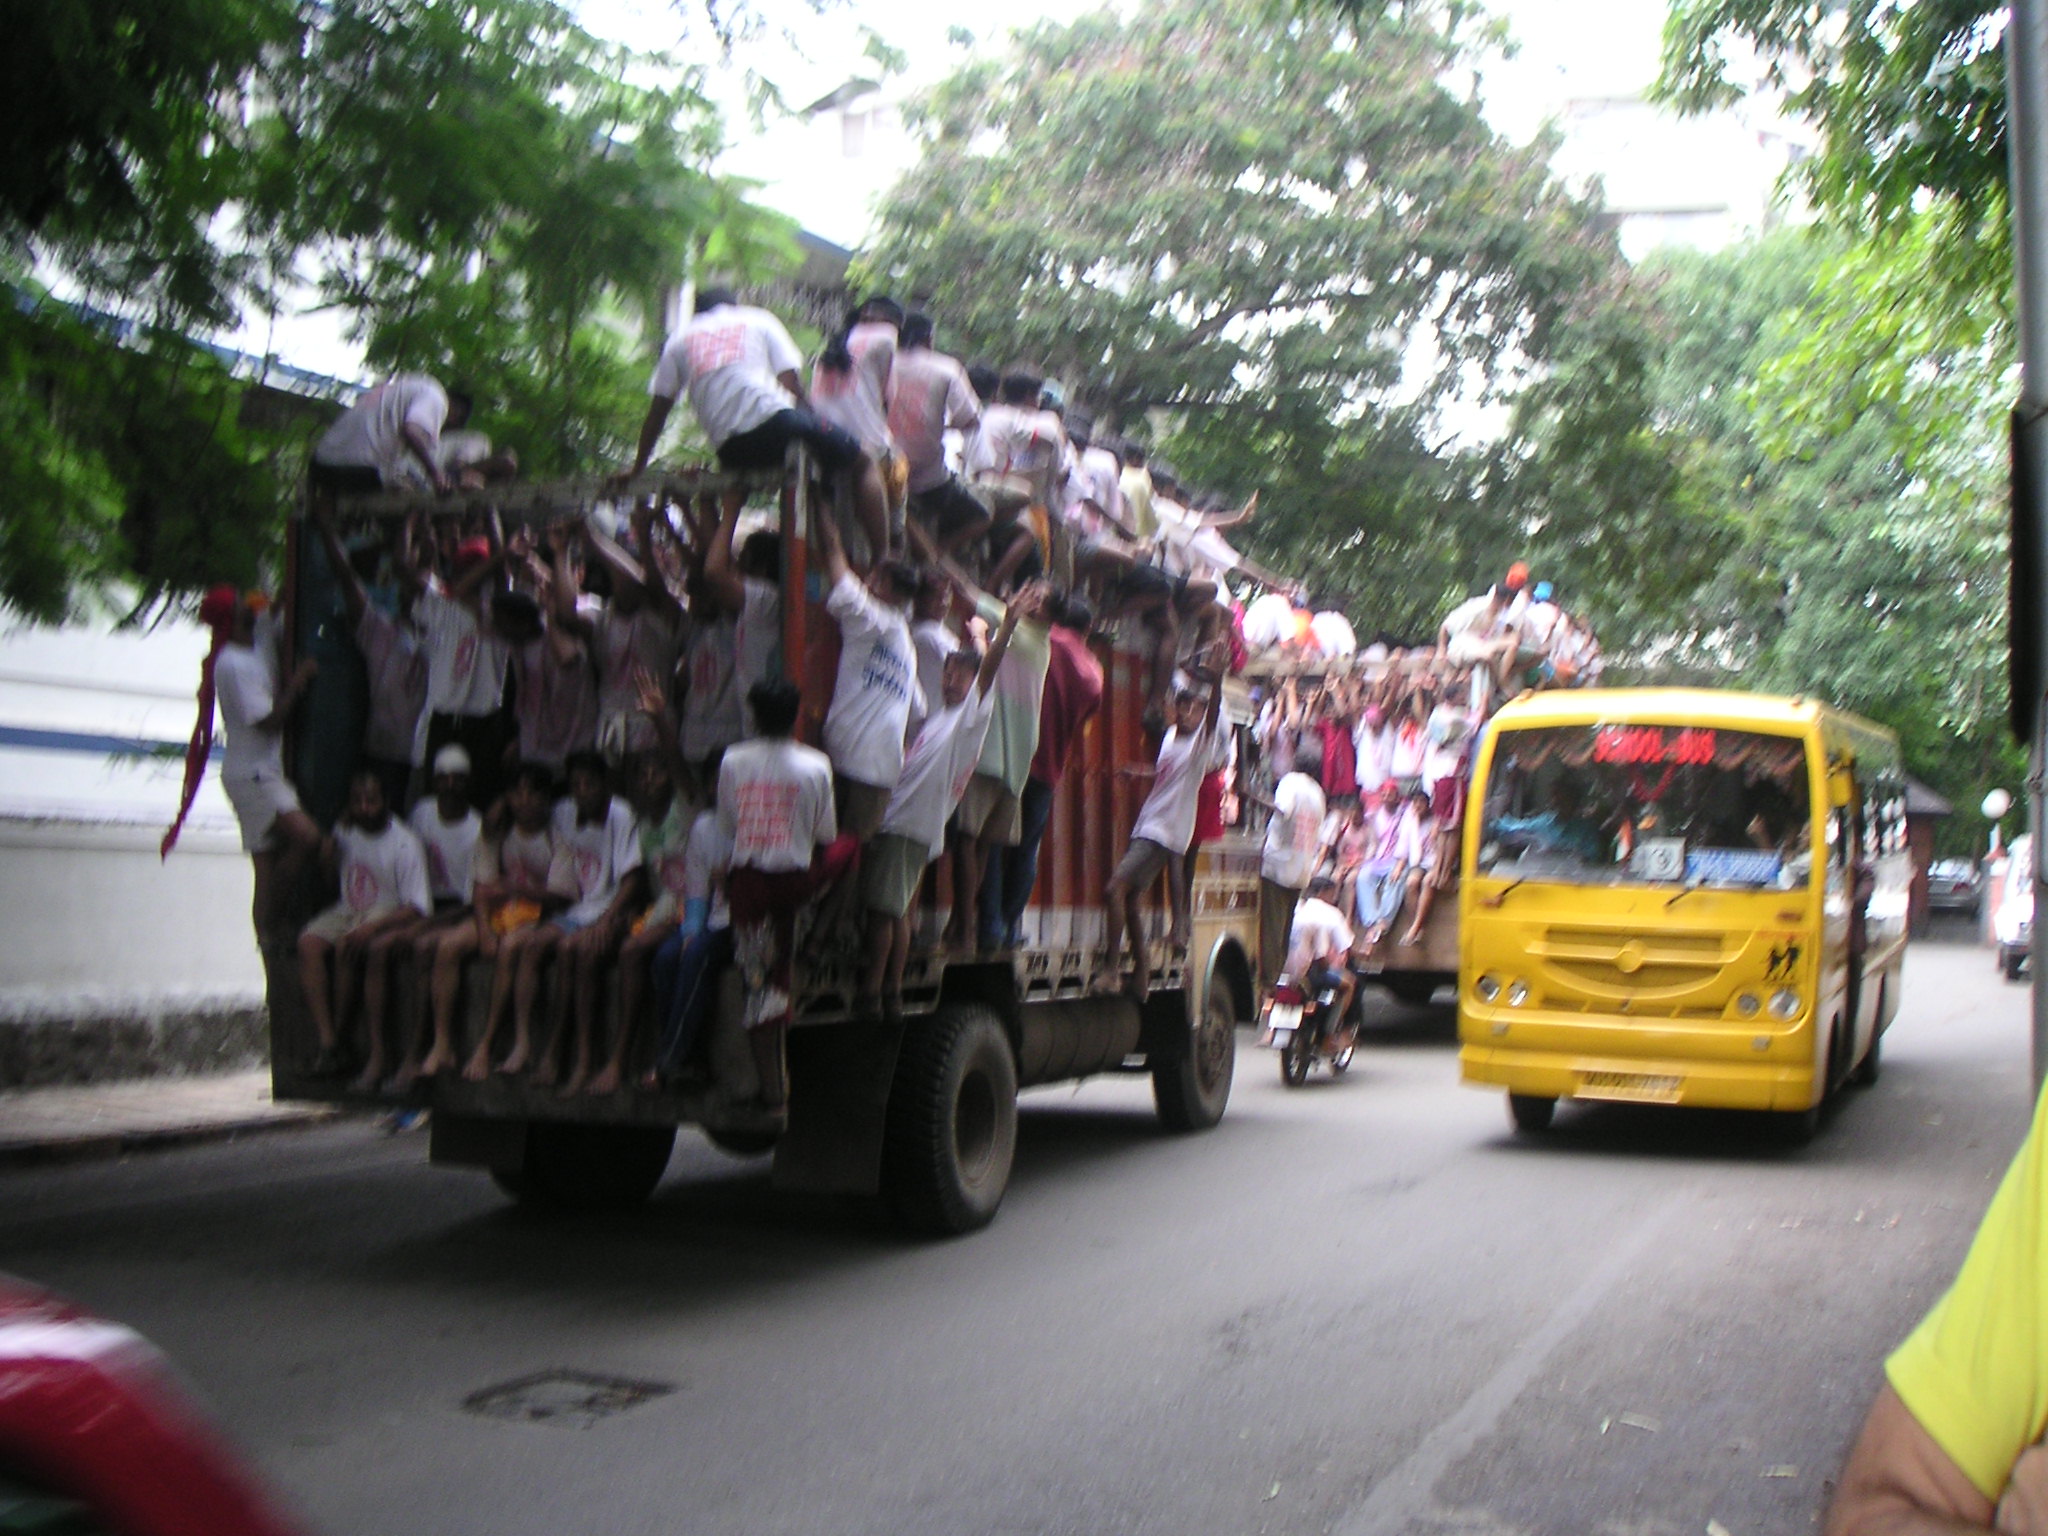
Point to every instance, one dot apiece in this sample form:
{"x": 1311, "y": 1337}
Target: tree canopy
{"x": 1285, "y": 238}
{"x": 485, "y": 190}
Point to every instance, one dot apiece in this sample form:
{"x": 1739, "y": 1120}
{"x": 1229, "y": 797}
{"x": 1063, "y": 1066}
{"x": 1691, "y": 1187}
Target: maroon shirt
{"x": 1073, "y": 692}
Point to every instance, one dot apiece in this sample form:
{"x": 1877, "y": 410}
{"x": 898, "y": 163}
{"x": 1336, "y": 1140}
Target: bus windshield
{"x": 1637, "y": 804}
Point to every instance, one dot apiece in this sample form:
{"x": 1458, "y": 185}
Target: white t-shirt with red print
{"x": 382, "y": 869}
{"x": 775, "y": 803}
{"x": 450, "y": 849}
{"x": 591, "y": 859}
{"x": 729, "y": 360}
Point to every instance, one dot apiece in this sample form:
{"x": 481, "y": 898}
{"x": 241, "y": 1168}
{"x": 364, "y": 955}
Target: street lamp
{"x": 1995, "y": 806}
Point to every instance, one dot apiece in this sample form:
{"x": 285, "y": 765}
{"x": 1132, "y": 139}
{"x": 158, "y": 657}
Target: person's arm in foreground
{"x": 1898, "y": 1482}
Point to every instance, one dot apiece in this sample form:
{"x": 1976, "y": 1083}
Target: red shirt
{"x": 1340, "y": 759}
{"x": 1073, "y": 692}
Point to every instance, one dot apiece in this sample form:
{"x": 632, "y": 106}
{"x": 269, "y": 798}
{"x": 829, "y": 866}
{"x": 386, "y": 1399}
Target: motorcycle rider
{"x": 1318, "y": 956}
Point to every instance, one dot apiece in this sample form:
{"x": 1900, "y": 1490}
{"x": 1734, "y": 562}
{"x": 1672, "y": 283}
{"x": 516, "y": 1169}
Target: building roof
{"x": 1922, "y": 801}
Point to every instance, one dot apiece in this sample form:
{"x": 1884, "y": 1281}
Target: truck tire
{"x": 1532, "y": 1115}
{"x": 951, "y": 1132}
{"x": 1191, "y": 1090}
{"x": 1415, "y": 991}
{"x": 588, "y": 1167}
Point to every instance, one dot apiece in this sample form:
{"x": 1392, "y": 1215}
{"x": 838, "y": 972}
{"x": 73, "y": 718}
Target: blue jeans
{"x": 1007, "y": 882}
{"x": 686, "y": 972}
{"x": 1379, "y": 895}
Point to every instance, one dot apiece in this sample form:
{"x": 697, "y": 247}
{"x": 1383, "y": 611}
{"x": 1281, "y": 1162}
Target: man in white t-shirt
{"x": 876, "y": 695}
{"x": 931, "y": 398}
{"x": 449, "y": 830}
{"x": 383, "y": 875}
{"x": 468, "y": 654}
{"x": 739, "y": 366}
{"x": 390, "y": 437}
{"x": 775, "y": 806}
{"x": 913, "y": 829}
{"x": 747, "y": 587}
{"x": 1478, "y": 634}
{"x": 1011, "y": 463}
{"x": 1289, "y": 856}
{"x": 598, "y": 868}
{"x": 637, "y": 633}
{"x": 1319, "y": 952}
{"x": 277, "y": 834}
{"x": 851, "y": 384}
{"x": 1193, "y": 746}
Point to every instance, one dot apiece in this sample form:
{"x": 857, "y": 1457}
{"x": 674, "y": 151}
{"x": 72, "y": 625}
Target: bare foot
{"x": 1105, "y": 984}
{"x": 543, "y": 1074}
{"x": 405, "y": 1077}
{"x": 479, "y": 1066}
{"x": 367, "y": 1080}
{"x": 650, "y": 1081}
{"x": 1410, "y": 938}
{"x": 437, "y": 1062}
{"x": 606, "y": 1081}
{"x": 514, "y": 1064}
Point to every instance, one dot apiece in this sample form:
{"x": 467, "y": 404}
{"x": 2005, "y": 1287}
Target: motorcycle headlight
{"x": 1488, "y": 988}
{"x": 1784, "y": 1003}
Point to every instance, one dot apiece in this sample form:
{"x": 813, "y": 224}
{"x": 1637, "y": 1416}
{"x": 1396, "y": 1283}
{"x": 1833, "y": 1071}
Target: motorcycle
{"x": 1304, "y": 1027}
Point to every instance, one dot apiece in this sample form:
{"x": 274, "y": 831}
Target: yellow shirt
{"x": 1975, "y": 1372}
{"x": 1136, "y": 486}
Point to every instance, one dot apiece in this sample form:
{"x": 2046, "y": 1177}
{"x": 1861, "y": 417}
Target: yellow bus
{"x": 1680, "y": 896}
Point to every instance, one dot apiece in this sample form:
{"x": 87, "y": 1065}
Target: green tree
{"x": 1282, "y": 237}
{"x": 487, "y": 190}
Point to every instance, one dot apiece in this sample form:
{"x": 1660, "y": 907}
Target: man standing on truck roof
{"x": 389, "y": 437}
{"x": 932, "y": 396}
{"x": 1166, "y": 825}
{"x": 740, "y": 368}
{"x": 1289, "y": 857}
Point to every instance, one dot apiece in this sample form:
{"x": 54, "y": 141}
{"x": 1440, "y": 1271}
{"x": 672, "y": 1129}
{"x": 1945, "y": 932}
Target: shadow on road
{"x": 1711, "y": 1135}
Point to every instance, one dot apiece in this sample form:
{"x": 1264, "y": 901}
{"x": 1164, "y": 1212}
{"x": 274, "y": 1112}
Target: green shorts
{"x": 891, "y": 869}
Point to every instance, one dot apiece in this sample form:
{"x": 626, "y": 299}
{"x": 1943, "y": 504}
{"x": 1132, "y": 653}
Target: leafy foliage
{"x": 1280, "y": 236}
{"x": 486, "y": 190}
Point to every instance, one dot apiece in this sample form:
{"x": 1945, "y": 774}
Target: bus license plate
{"x": 1636, "y": 1087}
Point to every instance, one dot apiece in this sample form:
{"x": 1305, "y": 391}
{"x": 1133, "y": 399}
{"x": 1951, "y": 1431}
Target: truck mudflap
{"x": 839, "y": 1077}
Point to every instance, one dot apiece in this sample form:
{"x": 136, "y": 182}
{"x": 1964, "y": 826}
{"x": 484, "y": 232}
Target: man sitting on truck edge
{"x": 1166, "y": 824}
{"x": 775, "y": 804}
{"x": 512, "y": 896}
{"x": 383, "y": 885}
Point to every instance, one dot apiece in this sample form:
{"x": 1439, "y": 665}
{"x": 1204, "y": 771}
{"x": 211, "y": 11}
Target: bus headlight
{"x": 1518, "y": 993}
{"x": 1784, "y": 1003}
{"x": 1747, "y": 1005}
{"x": 1488, "y": 988}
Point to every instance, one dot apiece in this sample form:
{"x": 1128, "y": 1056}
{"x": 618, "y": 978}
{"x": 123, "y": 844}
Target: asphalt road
{"x": 1362, "y": 1307}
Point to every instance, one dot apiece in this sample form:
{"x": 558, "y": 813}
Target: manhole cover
{"x": 577, "y": 1399}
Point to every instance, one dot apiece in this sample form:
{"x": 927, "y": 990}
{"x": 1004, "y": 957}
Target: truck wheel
{"x": 589, "y": 1167}
{"x": 1415, "y": 991}
{"x": 1530, "y": 1113}
{"x": 1191, "y": 1090}
{"x": 2011, "y": 964}
{"x": 951, "y": 1132}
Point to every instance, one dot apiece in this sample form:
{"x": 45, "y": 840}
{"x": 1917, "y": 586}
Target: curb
{"x": 54, "y": 1151}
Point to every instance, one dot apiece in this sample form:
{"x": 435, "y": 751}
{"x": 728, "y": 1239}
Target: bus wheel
{"x": 1191, "y": 1090}
{"x": 951, "y": 1131}
{"x": 1530, "y": 1113}
{"x": 1866, "y": 1073}
{"x": 1415, "y": 991}
{"x": 589, "y": 1167}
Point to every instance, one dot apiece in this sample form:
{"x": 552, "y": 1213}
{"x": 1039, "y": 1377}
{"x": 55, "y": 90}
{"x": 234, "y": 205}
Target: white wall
{"x": 91, "y": 921}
